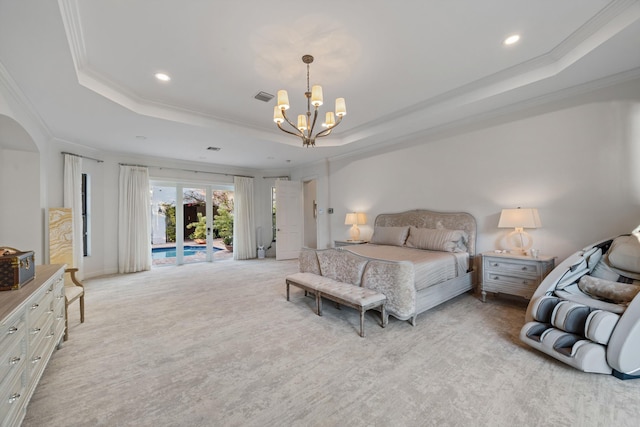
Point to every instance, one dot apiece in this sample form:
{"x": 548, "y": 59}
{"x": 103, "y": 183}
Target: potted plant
{"x": 199, "y": 234}
{"x": 223, "y": 223}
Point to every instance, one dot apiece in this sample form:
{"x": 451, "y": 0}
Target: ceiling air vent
{"x": 263, "y": 96}
{"x": 214, "y": 148}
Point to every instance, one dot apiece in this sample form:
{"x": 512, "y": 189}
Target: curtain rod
{"x": 276, "y": 177}
{"x": 84, "y": 157}
{"x": 187, "y": 170}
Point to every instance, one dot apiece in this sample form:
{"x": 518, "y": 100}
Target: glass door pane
{"x": 196, "y": 224}
{"x": 163, "y": 224}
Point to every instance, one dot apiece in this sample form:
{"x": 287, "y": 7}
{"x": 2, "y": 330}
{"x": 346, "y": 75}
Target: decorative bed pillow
{"x": 394, "y": 236}
{"x": 624, "y": 254}
{"x": 437, "y": 239}
{"x": 619, "y": 293}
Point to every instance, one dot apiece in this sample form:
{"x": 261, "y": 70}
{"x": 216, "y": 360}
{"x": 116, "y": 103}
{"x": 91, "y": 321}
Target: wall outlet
{"x": 330, "y": 210}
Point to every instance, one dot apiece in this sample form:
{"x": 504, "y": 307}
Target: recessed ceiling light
{"x": 511, "y": 40}
{"x": 162, "y": 77}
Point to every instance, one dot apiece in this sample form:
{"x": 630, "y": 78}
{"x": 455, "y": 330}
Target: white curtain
{"x": 244, "y": 224}
{"x": 72, "y": 195}
{"x": 134, "y": 223}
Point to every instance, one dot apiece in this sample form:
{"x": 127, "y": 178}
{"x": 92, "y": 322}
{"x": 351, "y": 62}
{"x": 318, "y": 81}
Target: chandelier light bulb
{"x": 330, "y": 120}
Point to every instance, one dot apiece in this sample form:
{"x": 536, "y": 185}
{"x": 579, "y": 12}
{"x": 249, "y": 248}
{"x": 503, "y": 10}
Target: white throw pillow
{"x": 437, "y": 239}
{"x": 394, "y": 236}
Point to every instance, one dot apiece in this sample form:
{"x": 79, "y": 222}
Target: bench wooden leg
{"x": 362, "y": 311}
{"x": 385, "y": 317}
{"x": 318, "y": 303}
{"x": 287, "y": 291}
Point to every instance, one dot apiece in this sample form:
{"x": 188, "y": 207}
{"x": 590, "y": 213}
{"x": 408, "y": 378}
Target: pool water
{"x": 160, "y": 253}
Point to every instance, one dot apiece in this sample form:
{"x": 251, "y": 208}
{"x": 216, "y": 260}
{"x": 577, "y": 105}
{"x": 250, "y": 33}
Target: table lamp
{"x": 353, "y": 219}
{"x": 519, "y": 219}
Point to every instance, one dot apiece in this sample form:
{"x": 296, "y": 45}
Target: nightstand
{"x": 338, "y": 243}
{"x": 513, "y": 274}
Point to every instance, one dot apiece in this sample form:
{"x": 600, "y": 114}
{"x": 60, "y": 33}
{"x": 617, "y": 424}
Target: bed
{"x": 437, "y": 247}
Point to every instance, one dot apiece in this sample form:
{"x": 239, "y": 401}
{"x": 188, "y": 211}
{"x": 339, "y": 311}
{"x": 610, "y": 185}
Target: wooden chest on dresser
{"x": 31, "y": 326}
{"x": 513, "y": 274}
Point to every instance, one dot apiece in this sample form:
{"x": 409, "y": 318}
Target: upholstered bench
{"x": 362, "y": 299}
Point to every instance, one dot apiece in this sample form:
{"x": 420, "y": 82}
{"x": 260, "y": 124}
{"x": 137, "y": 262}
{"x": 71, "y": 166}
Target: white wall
{"x": 20, "y": 220}
{"x": 578, "y": 166}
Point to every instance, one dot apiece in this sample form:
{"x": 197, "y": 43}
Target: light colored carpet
{"x": 218, "y": 345}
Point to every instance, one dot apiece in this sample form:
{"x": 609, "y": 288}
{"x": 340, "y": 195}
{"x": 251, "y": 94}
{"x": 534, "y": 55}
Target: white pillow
{"x": 394, "y": 236}
{"x": 437, "y": 239}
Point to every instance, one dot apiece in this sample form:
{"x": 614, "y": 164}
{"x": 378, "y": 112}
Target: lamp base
{"x": 354, "y": 232}
{"x": 516, "y": 242}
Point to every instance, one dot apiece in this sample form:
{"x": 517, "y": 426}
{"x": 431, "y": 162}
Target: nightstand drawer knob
{"x": 525, "y": 268}
{"x": 495, "y": 264}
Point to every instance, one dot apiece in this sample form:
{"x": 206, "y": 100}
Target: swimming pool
{"x": 160, "y": 253}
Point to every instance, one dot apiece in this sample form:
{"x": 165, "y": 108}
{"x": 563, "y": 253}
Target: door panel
{"x": 288, "y": 219}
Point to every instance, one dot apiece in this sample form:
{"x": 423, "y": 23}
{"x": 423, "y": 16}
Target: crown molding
{"x": 13, "y": 91}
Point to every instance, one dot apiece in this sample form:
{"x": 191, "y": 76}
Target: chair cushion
{"x": 624, "y": 254}
{"x": 73, "y": 292}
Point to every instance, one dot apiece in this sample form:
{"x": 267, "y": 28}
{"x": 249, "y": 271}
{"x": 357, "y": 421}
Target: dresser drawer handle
{"x": 14, "y": 360}
{"x": 36, "y": 359}
{"x": 495, "y": 264}
{"x": 12, "y": 330}
{"x": 34, "y": 306}
{"x": 14, "y": 397}
{"x": 496, "y": 277}
{"x": 525, "y": 268}
{"x": 35, "y": 331}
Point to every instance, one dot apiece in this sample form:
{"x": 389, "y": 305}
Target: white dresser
{"x": 31, "y": 326}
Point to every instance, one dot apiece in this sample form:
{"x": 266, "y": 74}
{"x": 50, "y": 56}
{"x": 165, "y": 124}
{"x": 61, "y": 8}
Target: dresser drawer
{"x": 12, "y": 398}
{"x": 12, "y": 331}
{"x": 12, "y": 362}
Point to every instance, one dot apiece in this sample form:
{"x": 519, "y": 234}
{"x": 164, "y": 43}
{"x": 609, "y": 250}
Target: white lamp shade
{"x": 520, "y": 218}
{"x": 277, "y": 115}
{"x": 330, "y": 120}
{"x": 355, "y": 218}
{"x": 316, "y": 95}
{"x": 341, "y": 108}
{"x": 302, "y": 122}
{"x": 283, "y": 99}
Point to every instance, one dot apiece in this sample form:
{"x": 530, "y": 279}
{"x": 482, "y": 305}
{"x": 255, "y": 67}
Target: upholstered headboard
{"x": 422, "y": 218}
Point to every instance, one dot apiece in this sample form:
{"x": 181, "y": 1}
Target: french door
{"x": 182, "y": 217}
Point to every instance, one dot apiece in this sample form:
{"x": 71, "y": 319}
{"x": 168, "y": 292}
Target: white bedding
{"x": 431, "y": 267}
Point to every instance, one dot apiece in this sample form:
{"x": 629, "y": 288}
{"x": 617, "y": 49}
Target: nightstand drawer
{"x": 503, "y": 278}
{"x": 512, "y": 286}
{"x": 519, "y": 268}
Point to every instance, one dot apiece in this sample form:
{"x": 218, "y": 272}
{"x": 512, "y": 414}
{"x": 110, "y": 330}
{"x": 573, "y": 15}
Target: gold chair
{"x": 72, "y": 292}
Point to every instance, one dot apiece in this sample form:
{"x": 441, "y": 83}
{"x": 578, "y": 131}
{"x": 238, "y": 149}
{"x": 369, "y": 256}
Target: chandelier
{"x": 306, "y": 125}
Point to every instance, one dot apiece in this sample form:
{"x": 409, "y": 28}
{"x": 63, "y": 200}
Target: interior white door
{"x": 288, "y": 219}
